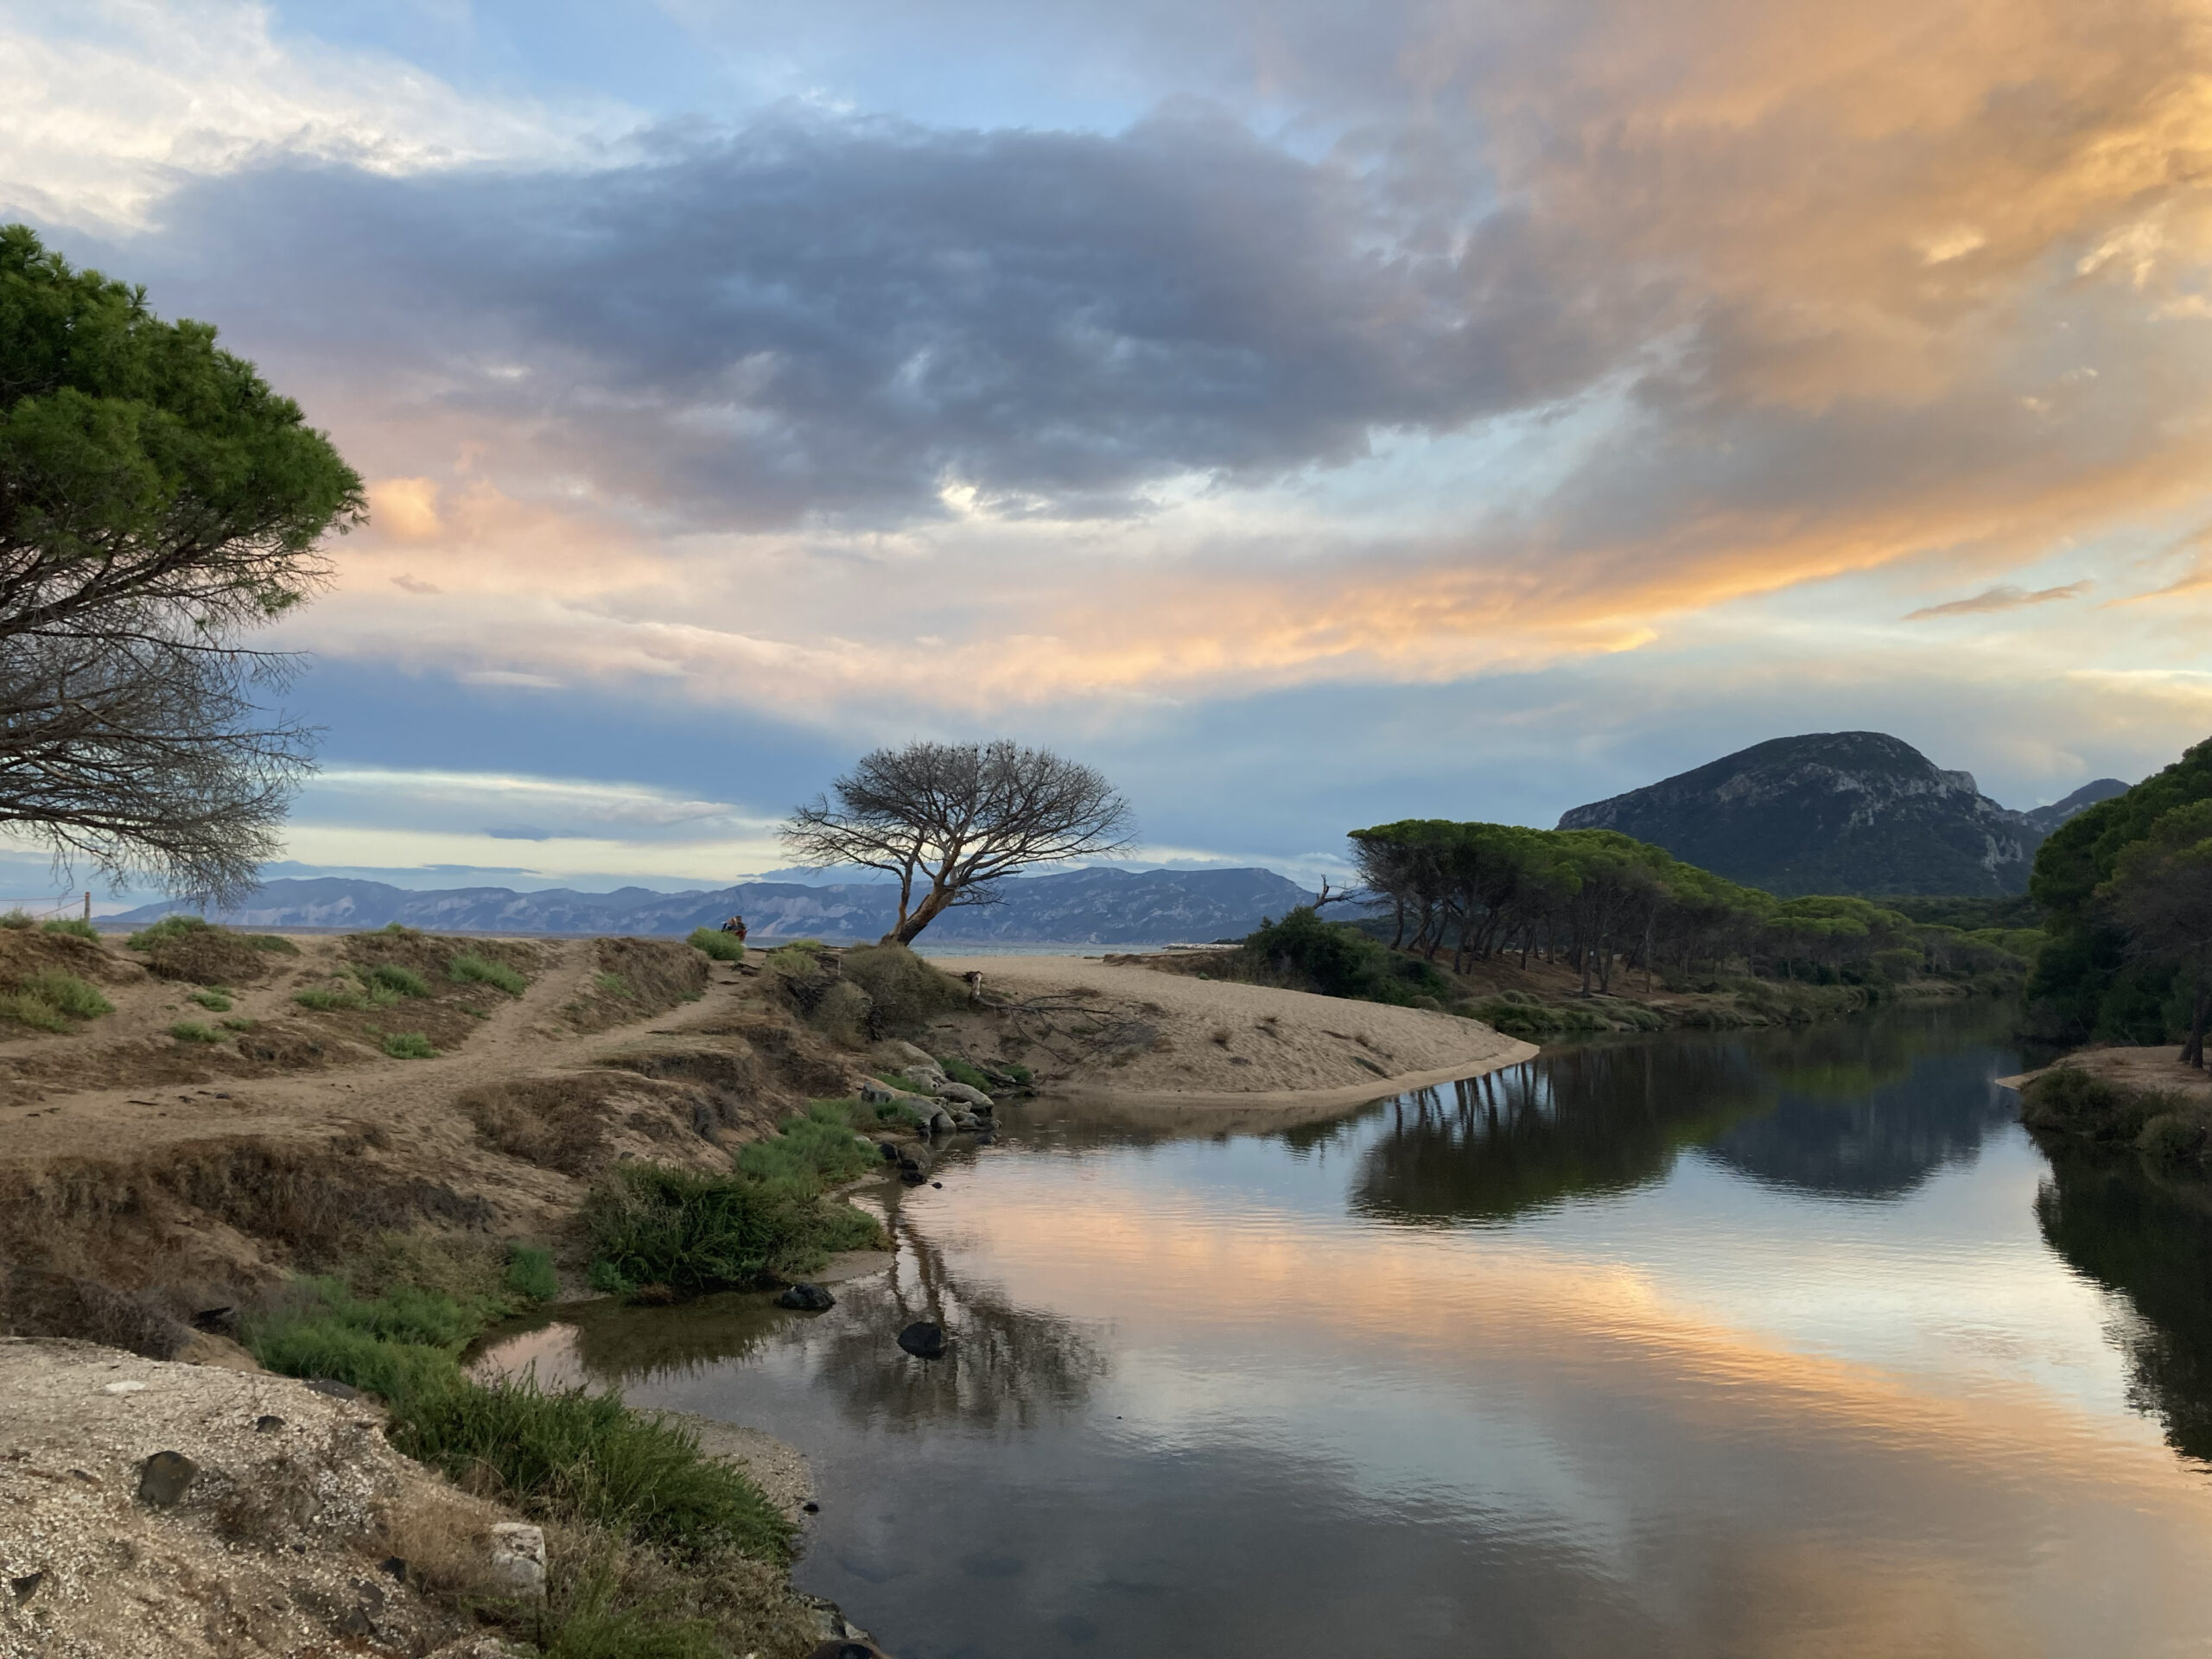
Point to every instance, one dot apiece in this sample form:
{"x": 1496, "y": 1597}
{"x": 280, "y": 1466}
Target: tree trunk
{"x": 2200, "y": 1015}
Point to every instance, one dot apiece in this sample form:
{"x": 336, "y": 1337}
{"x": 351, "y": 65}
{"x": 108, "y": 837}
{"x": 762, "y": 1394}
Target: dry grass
{"x": 556, "y": 1122}
{"x": 635, "y": 978}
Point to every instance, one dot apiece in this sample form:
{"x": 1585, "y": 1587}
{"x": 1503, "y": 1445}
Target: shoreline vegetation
{"x": 1561, "y": 935}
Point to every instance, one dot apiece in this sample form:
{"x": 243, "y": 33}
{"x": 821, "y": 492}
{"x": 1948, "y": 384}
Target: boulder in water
{"x": 923, "y": 1340}
{"x": 808, "y": 1299}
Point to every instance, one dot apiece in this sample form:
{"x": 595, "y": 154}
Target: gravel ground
{"x": 271, "y": 1548}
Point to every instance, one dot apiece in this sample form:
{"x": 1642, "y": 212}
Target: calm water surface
{"x": 1780, "y": 1344}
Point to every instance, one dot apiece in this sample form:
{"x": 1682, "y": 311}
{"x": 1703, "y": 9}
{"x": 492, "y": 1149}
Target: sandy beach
{"x": 1240, "y": 1052}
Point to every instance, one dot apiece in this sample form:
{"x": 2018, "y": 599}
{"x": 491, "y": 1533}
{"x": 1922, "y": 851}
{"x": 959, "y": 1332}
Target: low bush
{"x": 392, "y": 977}
{"x": 17, "y": 919}
{"x": 75, "y": 926}
{"x": 722, "y": 947}
{"x": 272, "y": 944}
{"x": 531, "y": 1275}
{"x": 408, "y": 1046}
{"x": 325, "y": 1000}
{"x": 612, "y": 984}
{"x": 904, "y": 993}
{"x": 471, "y": 970}
{"x": 692, "y": 1232}
{"x": 1337, "y": 959}
{"x": 2072, "y": 1100}
{"x": 214, "y": 1001}
{"x": 174, "y": 926}
{"x": 191, "y": 1031}
{"x": 811, "y": 1152}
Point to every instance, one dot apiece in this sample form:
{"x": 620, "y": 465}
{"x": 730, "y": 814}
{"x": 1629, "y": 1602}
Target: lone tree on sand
{"x": 156, "y": 499}
{"x": 953, "y": 818}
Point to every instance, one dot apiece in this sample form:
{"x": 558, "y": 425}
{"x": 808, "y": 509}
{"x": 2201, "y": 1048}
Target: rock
{"x": 966, "y": 1120}
{"x": 913, "y": 1157}
{"x": 912, "y": 1054}
{"x": 205, "y": 1348}
{"x": 845, "y": 1650}
{"x": 266, "y": 1425}
{"x": 889, "y": 1149}
{"x": 963, "y": 1093}
{"x": 164, "y": 1477}
{"x": 923, "y": 1340}
{"x": 217, "y": 1321}
{"x": 334, "y": 1388}
{"x": 810, "y": 1298}
{"x": 518, "y": 1558}
{"x": 926, "y": 1080}
{"x": 875, "y": 1093}
{"x": 26, "y": 1586}
{"x": 940, "y": 1121}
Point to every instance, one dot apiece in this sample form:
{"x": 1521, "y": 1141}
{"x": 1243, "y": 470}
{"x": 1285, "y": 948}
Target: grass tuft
{"x": 809, "y": 1153}
{"x": 18, "y": 920}
{"x": 531, "y": 1275}
{"x": 408, "y": 1046}
{"x": 214, "y": 1001}
{"x": 469, "y": 968}
{"x": 191, "y": 1031}
{"x": 612, "y": 984}
{"x": 326, "y": 1001}
{"x": 75, "y": 926}
{"x": 391, "y": 976}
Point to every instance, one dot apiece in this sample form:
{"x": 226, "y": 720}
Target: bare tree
{"x": 950, "y": 819}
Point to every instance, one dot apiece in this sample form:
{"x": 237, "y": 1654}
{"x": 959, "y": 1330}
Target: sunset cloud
{"x": 2005, "y": 597}
{"x": 1149, "y": 357}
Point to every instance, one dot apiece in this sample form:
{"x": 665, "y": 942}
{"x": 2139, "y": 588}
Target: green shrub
{"x": 391, "y": 976}
{"x": 34, "y": 1011}
{"x": 169, "y": 927}
{"x": 722, "y": 947}
{"x": 531, "y": 1275}
{"x": 1021, "y": 1074}
{"x": 2172, "y": 1138}
{"x": 808, "y": 1154}
{"x": 904, "y": 993}
{"x": 408, "y": 1046}
{"x": 214, "y": 1001}
{"x": 191, "y": 1031}
{"x": 239, "y": 1024}
{"x": 18, "y": 919}
{"x": 1337, "y": 959}
{"x": 653, "y": 1224}
{"x": 272, "y": 944}
{"x": 612, "y": 1632}
{"x": 325, "y": 1001}
{"x": 612, "y": 984}
{"x": 469, "y": 968}
{"x": 65, "y": 993}
{"x": 75, "y": 926}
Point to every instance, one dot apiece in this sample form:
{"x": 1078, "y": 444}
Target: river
{"x": 1782, "y": 1343}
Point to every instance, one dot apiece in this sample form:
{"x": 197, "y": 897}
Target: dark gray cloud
{"x": 808, "y": 316}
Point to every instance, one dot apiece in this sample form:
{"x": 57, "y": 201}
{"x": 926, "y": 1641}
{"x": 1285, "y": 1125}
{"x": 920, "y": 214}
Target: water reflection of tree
{"x": 1869, "y": 1109}
{"x": 2150, "y": 1239}
{"x": 1579, "y": 1121}
{"x": 1865, "y": 1107}
{"x": 1005, "y": 1367}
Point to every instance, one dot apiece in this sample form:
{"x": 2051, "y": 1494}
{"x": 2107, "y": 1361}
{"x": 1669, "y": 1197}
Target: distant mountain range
{"x": 1102, "y": 908}
{"x": 1843, "y": 812}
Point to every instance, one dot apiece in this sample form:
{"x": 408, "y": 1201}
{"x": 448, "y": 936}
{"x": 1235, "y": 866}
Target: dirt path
{"x": 358, "y": 1085}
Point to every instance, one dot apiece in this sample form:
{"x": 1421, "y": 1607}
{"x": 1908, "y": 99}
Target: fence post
{"x": 88, "y": 904}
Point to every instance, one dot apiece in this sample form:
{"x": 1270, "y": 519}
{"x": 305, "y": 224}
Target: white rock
{"x": 962, "y": 1093}
{"x": 124, "y": 1388}
{"x": 519, "y": 1557}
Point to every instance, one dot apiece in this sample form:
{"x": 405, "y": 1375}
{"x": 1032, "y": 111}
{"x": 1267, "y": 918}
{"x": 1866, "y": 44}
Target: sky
{"x": 1312, "y": 413}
